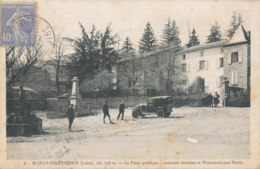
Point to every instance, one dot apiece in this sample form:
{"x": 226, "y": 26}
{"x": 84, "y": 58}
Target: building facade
{"x": 224, "y": 67}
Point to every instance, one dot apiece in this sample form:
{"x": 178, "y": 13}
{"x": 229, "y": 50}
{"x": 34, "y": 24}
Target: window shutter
{"x": 232, "y": 78}
{"x": 188, "y": 67}
{"x": 236, "y": 78}
{"x": 229, "y": 58}
{"x": 198, "y": 66}
{"x": 206, "y": 64}
{"x": 240, "y": 56}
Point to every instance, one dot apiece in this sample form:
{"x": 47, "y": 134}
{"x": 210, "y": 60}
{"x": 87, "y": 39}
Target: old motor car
{"x": 161, "y": 105}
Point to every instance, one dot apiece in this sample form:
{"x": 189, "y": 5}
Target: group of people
{"x": 71, "y": 113}
{"x": 213, "y": 101}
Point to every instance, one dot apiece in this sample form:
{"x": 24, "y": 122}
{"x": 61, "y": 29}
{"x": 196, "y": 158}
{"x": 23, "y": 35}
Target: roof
{"x": 24, "y": 88}
{"x": 147, "y": 54}
{"x": 66, "y": 95}
{"x": 239, "y": 36}
{"x": 203, "y": 46}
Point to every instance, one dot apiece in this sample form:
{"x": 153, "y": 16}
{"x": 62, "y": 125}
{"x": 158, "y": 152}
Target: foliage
{"x": 59, "y": 58}
{"x": 20, "y": 61}
{"x": 132, "y": 71}
{"x": 197, "y": 87}
{"x": 215, "y": 33}
{"x": 172, "y": 76}
{"x": 94, "y": 51}
{"x": 148, "y": 42}
{"x": 170, "y": 35}
{"x": 194, "y": 40}
{"x": 104, "y": 83}
{"x": 235, "y": 22}
{"x": 127, "y": 48}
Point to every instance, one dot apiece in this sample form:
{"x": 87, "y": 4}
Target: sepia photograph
{"x": 129, "y": 84}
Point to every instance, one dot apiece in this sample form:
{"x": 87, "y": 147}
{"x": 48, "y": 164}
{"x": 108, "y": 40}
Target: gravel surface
{"x": 208, "y": 133}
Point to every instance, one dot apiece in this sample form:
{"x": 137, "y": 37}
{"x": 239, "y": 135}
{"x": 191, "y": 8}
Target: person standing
{"x": 216, "y": 99}
{"x": 210, "y": 100}
{"x": 121, "y": 110}
{"x": 106, "y": 112}
{"x": 71, "y": 115}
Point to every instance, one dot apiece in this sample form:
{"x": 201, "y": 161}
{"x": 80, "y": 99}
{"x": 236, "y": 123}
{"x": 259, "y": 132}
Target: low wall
{"x": 113, "y": 102}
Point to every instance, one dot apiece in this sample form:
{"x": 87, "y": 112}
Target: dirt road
{"x": 212, "y": 133}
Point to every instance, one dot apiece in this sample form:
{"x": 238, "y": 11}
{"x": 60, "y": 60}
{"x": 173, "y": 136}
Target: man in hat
{"x": 121, "y": 110}
{"x": 106, "y": 112}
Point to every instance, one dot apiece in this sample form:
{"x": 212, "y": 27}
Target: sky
{"x": 128, "y": 18}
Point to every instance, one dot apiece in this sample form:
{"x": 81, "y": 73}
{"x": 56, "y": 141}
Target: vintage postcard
{"x": 129, "y": 84}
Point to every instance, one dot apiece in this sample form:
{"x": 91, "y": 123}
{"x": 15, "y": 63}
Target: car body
{"x": 161, "y": 105}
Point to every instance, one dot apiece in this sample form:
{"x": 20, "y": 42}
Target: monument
{"x": 60, "y": 104}
{"x": 75, "y": 96}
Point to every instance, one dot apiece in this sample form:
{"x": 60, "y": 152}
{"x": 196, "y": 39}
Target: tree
{"x": 94, "y": 52}
{"x": 127, "y": 47}
{"x": 173, "y": 74}
{"x": 148, "y": 42}
{"x": 235, "y": 22}
{"x": 109, "y": 48}
{"x": 215, "y": 33}
{"x": 170, "y": 35}
{"x": 193, "y": 39}
{"x": 19, "y": 63}
{"x": 58, "y": 59}
{"x": 132, "y": 69}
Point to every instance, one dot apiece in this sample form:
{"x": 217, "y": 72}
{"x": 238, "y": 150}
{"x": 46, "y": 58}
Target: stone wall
{"x": 151, "y": 69}
{"x": 241, "y": 67}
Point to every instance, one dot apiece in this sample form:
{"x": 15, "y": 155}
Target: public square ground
{"x": 197, "y": 133}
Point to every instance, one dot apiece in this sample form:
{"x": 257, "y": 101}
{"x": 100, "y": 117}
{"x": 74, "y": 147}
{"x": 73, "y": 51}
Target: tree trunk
{"x": 133, "y": 88}
{"x": 57, "y": 79}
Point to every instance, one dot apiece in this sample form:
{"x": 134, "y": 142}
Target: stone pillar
{"x": 75, "y": 96}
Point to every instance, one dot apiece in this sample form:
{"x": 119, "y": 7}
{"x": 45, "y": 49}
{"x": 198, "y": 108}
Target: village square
{"x": 100, "y": 95}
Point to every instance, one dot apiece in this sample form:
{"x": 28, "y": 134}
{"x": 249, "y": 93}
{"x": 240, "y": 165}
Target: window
{"x": 183, "y": 56}
{"x": 202, "y": 53}
{"x": 234, "y": 57}
{"x": 202, "y": 64}
{"x": 184, "y": 67}
{"x": 221, "y": 62}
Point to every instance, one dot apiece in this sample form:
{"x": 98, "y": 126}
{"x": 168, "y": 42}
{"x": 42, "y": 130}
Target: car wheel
{"x": 135, "y": 114}
{"x": 167, "y": 114}
{"x": 160, "y": 112}
{"x": 143, "y": 108}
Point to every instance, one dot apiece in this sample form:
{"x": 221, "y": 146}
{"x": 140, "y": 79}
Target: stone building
{"x": 237, "y": 69}
{"x": 216, "y": 63}
{"x": 130, "y": 76}
{"x": 147, "y": 74}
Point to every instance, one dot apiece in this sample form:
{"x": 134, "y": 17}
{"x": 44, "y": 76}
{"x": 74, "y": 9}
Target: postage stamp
{"x": 18, "y": 24}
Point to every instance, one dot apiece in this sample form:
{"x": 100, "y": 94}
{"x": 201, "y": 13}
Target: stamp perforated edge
{"x": 36, "y": 19}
